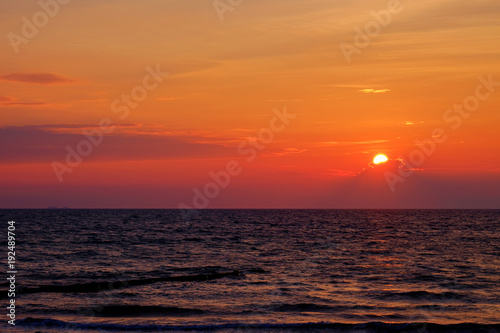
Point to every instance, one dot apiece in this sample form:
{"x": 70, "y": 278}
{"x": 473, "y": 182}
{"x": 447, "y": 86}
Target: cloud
{"x": 393, "y": 165}
{"x": 340, "y": 173}
{"x": 48, "y": 143}
{"x": 7, "y": 101}
{"x": 38, "y": 78}
{"x": 349, "y": 143}
{"x": 287, "y": 151}
{"x": 411, "y": 123}
{"x": 374, "y": 91}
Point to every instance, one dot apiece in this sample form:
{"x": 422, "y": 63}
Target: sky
{"x": 249, "y": 104}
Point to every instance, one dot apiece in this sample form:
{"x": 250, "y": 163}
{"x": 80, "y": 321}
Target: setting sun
{"x": 381, "y": 158}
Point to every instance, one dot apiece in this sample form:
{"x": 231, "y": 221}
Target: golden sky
{"x": 225, "y": 78}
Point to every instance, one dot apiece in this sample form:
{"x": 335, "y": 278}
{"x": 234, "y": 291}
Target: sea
{"x": 285, "y": 270}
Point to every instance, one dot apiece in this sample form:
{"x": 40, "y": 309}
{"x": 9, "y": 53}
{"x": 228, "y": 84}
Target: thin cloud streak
{"x": 374, "y": 91}
{"x": 38, "y": 78}
{"x": 349, "y": 143}
{"x": 7, "y": 101}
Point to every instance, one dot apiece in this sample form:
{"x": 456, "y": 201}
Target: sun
{"x": 381, "y": 158}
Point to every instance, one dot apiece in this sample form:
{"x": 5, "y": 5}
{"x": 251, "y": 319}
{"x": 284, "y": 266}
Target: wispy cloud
{"x": 340, "y": 173}
{"x": 7, "y": 101}
{"x": 287, "y": 151}
{"x": 374, "y": 91}
{"x": 38, "y": 78}
{"x": 45, "y": 144}
{"x": 349, "y": 143}
{"x": 410, "y": 123}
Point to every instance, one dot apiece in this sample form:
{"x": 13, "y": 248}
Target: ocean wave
{"x": 422, "y": 295}
{"x": 312, "y": 307}
{"x": 345, "y": 311}
{"x": 94, "y": 287}
{"x": 139, "y": 311}
{"x": 374, "y": 327}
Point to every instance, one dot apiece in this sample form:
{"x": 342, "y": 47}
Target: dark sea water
{"x": 255, "y": 270}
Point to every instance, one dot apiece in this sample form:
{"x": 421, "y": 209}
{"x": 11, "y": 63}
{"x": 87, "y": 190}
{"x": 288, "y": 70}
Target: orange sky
{"x": 225, "y": 78}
